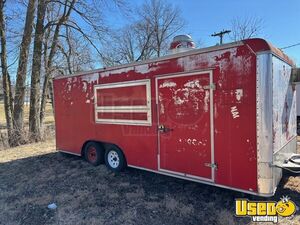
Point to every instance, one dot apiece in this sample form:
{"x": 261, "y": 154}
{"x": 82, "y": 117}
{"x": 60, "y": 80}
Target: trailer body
{"x": 222, "y": 115}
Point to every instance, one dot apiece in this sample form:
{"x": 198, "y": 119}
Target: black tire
{"x": 94, "y": 153}
{"x": 115, "y": 159}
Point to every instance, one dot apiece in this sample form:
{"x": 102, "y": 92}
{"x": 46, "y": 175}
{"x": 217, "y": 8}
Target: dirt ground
{"x": 33, "y": 176}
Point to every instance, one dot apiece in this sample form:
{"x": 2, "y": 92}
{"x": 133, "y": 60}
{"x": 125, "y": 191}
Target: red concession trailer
{"x": 223, "y": 115}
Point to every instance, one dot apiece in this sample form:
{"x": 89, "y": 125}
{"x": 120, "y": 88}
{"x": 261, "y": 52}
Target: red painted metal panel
{"x": 123, "y": 115}
{"x": 184, "y": 109}
{"x": 235, "y": 119}
{"x": 122, "y": 96}
{"x": 234, "y": 113}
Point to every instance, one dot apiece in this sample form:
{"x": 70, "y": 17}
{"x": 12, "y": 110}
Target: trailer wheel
{"x": 94, "y": 153}
{"x": 115, "y": 159}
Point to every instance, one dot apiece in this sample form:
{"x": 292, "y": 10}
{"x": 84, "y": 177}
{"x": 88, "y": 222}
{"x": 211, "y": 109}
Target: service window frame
{"x": 124, "y": 108}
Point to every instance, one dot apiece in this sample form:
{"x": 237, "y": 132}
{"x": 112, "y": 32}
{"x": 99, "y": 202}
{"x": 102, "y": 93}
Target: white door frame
{"x": 210, "y": 73}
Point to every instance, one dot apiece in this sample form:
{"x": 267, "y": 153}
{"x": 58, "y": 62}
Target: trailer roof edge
{"x": 260, "y": 45}
{"x": 192, "y": 52}
{"x": 257, "y": 45}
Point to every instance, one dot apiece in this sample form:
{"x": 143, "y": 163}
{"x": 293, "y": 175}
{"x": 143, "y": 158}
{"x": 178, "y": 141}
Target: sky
{"x": 281, "y": 20}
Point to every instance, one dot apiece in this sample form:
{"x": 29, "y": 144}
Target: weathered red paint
{"x": 260, "y": 45}
{"x": 186, "y": 146}
{"x": 129, "y": 96}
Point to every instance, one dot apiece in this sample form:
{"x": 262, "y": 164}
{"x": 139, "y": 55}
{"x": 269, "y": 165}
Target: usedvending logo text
{"x": 264, "y": 211}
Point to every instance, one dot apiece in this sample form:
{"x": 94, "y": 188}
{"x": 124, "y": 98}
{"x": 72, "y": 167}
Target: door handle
{"x": 164, "y": 129}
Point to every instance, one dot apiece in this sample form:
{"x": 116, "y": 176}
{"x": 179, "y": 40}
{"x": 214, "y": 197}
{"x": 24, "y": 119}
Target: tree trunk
{"x": 51, "y": 94}
{"x": 44, "y": 97}
{"x": 11, "y": 97}
{"x": 8, "y": 108}
{"x": 48, "y": 70}
{"x": 48, "y": 67}
{"x": 34, "y": 112}
{"x": 18, "y": 116}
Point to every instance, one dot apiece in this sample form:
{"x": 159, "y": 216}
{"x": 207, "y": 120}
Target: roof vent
{"x": 182, "y": 43}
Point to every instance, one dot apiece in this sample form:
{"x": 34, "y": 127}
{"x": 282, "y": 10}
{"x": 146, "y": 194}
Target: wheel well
{"x": 105, "y": 145}
{"x": 85, "y": 143}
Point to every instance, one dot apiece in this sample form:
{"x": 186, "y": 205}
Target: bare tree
{"x": 244, "y": 28}
{"x": 8, "y": 107}
{"x": 165, "y": 20}
{"x": 75, "y": 54}
{"x": 67, "y": 8}
{"x": 73, "y": 37}
{"x": 34, "y": 112}
{"x": 20, "y": 89}
{"x": 85, "y": 13}
{"x": 147, "y": 37}
{"x": 132, "y": 43}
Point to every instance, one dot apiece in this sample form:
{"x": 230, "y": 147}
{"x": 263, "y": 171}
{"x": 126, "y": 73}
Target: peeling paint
{"x": 142, "y": 69}
{"x": 69, "y": 84}
{"x": 161, "y": 106}
{"x": 178, "y": 100}
{"x": 147, "y": 68}
{"x": 235, "y": 112}
{"x": 179, "y": 114}
{"x": 84, "y": 88}
{"x": 225, "y": 59}
{"x": 238, "y": 94}
{"x": 190, "y": 63}
{"x": 191, "y": 95}
{"x": 193, "y": 141}
{"x": 90, "y": 78}
{"x": 69, "y": 87}
{"x": 193, "y": 84}
{"x": 206, "y": 99}
{"x": 193, "y": 127}
{"x": 117, "y": 71}
{"x": 216, "y": 114}
{"x": 167, "y": 84}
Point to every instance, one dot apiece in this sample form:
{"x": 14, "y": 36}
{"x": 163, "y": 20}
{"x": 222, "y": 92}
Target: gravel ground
{"x": 33, "y": 176}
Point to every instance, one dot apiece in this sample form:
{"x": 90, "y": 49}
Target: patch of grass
{"x": 49, "y": 117}
{"x": 33, "y": 176}
{"x": 2, "y": 114}
{"x": 28, "y": 150}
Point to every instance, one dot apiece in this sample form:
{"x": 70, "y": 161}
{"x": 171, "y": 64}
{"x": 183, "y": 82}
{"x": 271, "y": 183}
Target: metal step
{"x": 291, "y": 163}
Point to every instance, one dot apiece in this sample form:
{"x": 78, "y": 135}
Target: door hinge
{"x": 211, "y": 165}
{"x": 210, "y": 86}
